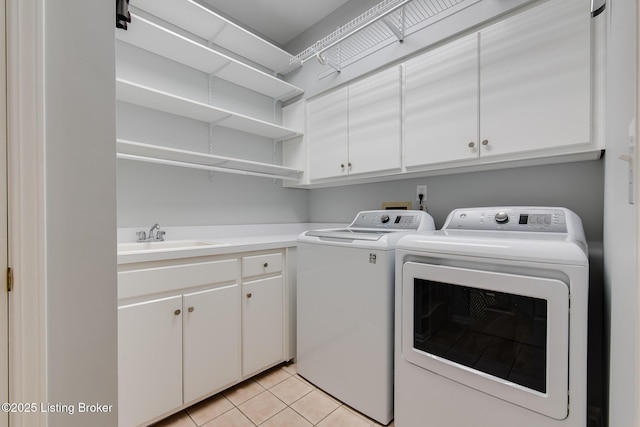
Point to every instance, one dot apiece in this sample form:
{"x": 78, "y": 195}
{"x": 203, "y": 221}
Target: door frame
{"x": 4, "y": 294}
{"x": 26, "y": 206}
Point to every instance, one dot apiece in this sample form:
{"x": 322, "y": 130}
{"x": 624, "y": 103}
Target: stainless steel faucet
{"x": 158, "y": 237}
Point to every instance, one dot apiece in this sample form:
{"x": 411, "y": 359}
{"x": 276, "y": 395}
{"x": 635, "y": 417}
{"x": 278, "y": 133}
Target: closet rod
{"x": 361, "y": 22}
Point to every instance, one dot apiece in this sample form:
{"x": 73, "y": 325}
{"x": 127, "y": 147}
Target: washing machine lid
{"x": 348, "y": 234}
{"x": 368, "y": 227}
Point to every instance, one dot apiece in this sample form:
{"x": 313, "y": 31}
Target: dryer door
{"x": 506, "y": 335}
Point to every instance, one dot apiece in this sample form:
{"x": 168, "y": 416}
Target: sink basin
{"x": 170, "y": 245}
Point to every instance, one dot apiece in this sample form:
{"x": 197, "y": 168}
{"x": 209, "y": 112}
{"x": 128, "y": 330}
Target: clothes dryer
{"x": 491, "y": 321}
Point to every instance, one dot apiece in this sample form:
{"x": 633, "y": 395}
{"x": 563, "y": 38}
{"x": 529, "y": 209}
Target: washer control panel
{"x": 390, "y": 219}
{"x": 508, "y": 219}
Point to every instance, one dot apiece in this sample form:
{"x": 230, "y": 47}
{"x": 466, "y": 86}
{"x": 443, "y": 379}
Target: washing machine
{"x": 345, "y": 291}
{"x": 491, "y": 321}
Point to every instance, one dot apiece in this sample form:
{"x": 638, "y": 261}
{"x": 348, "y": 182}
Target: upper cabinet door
{"x": 327, "y": 128}
{"x": 535, "y": 75}
{"x": 441, "y": 104}
{"x": 374, "y": 123}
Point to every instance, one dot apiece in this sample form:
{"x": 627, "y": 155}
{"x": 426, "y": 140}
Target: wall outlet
{"x": 421, "y": 189}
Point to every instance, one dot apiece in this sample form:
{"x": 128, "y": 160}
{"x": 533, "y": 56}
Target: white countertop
{"x": 230, "y": 239}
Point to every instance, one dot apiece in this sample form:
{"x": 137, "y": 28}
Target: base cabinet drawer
{"x": 257, "y": 265}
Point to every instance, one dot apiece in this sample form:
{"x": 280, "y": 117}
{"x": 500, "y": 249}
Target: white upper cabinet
{"x": 518, "y": 89}
{"x": 374, "y": 123}
{"x": 356, "y": 129}
{"x": 327, "y": 130}
{"x": 441, "y": 104}
{"x": 535, "y": 79}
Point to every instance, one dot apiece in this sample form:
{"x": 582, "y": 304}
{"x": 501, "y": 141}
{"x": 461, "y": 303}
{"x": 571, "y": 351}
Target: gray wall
{"x": 79, "y": 134}
{"x": 173, "y": 196}
{"x": 577, "y": 186}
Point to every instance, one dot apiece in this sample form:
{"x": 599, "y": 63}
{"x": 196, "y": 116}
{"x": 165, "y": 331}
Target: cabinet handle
{"x": 190, "y": 309}
{"x": 249, "y": 295}
{"x": 341, "y": 165}
{"x": 485, "y": 142}
{"x": 349, "y": 164}
{"x": 265, "y": 265}
{"x": 472, "y": 144}
{"x": 177, "y": 312}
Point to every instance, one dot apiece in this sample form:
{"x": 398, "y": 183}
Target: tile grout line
{"x": 285, "y": 403}
{"x": 262, "y": 388}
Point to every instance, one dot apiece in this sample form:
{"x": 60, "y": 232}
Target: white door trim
{"x": 4, "y": 313}
{"x": 26, "y": 176}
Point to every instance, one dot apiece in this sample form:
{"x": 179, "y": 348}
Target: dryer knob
{"x": 384, "y": 219}
{"x": 502, "y": 218}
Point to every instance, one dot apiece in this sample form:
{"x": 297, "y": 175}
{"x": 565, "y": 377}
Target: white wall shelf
{"x": 204, "y": 23}
{"x": 154, "y": 38}
{"x": 145, "y": 96}
{"x": 149, "y": 153}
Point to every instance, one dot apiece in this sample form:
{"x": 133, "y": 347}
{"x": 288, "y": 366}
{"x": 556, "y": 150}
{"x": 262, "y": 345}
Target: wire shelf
{"x": 385, "y": 23}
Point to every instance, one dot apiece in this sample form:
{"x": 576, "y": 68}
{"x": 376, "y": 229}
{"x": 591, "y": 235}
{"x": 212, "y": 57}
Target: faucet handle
{"x": 141, "y": 235}
{"x": 160, "y": 235}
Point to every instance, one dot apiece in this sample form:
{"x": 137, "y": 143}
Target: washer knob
{"x": 384, "y": 219}
{"x": 502, "y": 218}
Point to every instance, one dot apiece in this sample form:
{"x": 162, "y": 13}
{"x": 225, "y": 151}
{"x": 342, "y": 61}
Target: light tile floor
{"x": 278, "y": 397}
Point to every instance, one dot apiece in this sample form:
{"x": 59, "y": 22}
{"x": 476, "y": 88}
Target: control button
{"x": 384, "y": 219}
{"x": 502, "y": 218}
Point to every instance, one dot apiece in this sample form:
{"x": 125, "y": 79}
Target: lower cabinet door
{"x": 263, "y": 324}
{"x": 149, "y": 359}
{"x": 211, "y": 340}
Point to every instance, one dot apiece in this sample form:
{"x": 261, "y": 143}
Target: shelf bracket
{"x": 274, "y": 158}
{"x": 220, "y": 68}
{"x": 215, "y": 36}
{"x": 211, "y": 129}
{"x": 325, "y": 60}
{"x": 217, "y": 122}
{"x": 398, "y": 31}
{"x": 211, "y": 125}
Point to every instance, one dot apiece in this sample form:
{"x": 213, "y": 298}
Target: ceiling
{"x": 278, "y": 20}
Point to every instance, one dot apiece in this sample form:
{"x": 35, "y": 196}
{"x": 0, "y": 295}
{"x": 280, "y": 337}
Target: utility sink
{"x": 170, "y": 245}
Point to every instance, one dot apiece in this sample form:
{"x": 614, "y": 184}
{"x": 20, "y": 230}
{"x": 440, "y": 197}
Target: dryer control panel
{"x": 550, "y": 220}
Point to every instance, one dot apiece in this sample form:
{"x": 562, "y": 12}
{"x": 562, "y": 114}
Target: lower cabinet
{"x": 149, "y": 359}
{"x": 210, "y": 340}
{"x": 215, "y": 327}
{"x": 262, "y": 324}
{"x": 263, "y": 312}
